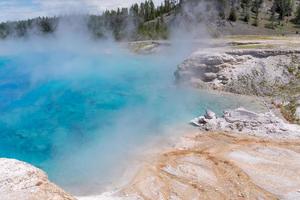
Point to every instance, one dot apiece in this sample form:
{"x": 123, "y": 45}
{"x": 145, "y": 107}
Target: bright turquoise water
{"x": 77, "y": 113}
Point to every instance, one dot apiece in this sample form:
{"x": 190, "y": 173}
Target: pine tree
{"x": 256, "y": 9}
{"x": 147, "y": 11}
{"x": 284, "y": 8}
{"x": 297, "y": 18}
{"x": 167, "y": 6}
{"x": 273, "y": 17}
{"x": 152, "y": 10}
{"x": 142, "y": 11}
{"x": 245, "y": 5}
{"x": 221, "y": 5}
{"x": 134, "y": 10}
{"x": 232, "y": 15}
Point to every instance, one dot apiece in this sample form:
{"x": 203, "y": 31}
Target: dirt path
{"x": 221, "y": 166}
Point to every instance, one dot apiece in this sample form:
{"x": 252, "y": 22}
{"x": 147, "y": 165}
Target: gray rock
{"x": 19, "y": 180}
{"x": 224, "y": 82}
{"x": 202, "y": 120}
{"x": 210, "y": 114}
{"x": 239, "y": 126}
{"x": 244, "y": 121}
{"x": 210, "y": 76}
{"x": 251, "y": 72}
{"x": 199, "y": 121}
{"x": 223, "y": 78}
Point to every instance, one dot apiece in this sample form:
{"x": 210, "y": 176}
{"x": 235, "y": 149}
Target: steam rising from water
{"x": 77, "y": 107}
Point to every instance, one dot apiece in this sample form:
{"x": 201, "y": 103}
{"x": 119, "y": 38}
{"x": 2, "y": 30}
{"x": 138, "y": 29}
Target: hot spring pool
{"x": 77, "y": 112}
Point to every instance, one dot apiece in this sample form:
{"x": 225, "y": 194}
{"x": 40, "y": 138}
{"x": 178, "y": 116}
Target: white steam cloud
{"x": 72, "y": 56}
{"x": 91, "y": 159}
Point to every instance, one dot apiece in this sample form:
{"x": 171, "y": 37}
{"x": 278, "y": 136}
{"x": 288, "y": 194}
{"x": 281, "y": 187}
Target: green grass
{"x": 288, "y": 112}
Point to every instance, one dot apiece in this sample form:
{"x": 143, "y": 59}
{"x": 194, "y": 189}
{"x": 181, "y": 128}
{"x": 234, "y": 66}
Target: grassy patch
{"x": 290, "y": 93}
{"x": 288, "y": 111}
{"x": 255, "y": 37}
{"x": 255, "y": 46}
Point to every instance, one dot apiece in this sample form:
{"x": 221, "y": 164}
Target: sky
{"x": 23, "y": 9}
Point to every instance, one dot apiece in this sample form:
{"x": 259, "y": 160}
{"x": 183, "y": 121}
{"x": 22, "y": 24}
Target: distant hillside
{"x": 147, "y": 21}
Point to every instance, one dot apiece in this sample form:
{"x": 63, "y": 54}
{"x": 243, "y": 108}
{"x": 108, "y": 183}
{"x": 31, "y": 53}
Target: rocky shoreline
{"x": 249, "y": 72}
{"x": 19, "y": 180}
{"x": 240, "y": 155}
{"x": 246, "y": 122}
{"x": 272, "y": 73}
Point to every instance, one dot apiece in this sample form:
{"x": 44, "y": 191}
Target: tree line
{"x": 149, "y": 21}
{"x": 138, "y": 21}
{"x": 281, "y": 10}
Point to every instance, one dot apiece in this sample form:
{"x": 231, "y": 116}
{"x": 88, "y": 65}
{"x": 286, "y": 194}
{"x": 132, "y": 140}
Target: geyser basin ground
{"x": 78, "y": 110}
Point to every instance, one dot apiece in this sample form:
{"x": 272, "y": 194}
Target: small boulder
{"x": 224, "y": 82}
{"x": 201, "y": 120}
{"x": 210, "y": 76}
{"x": 210, "y": 114}
{"x": 222, "y": 77}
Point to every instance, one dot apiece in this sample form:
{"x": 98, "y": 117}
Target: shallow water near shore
{"x": 77, "y": 113}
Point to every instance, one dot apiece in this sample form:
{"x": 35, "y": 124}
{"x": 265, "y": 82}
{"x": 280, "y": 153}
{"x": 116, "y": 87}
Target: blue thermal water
{"x": 76, "y": 114}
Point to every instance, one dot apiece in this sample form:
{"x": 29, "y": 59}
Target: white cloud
{"x": 23, "y": 9}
